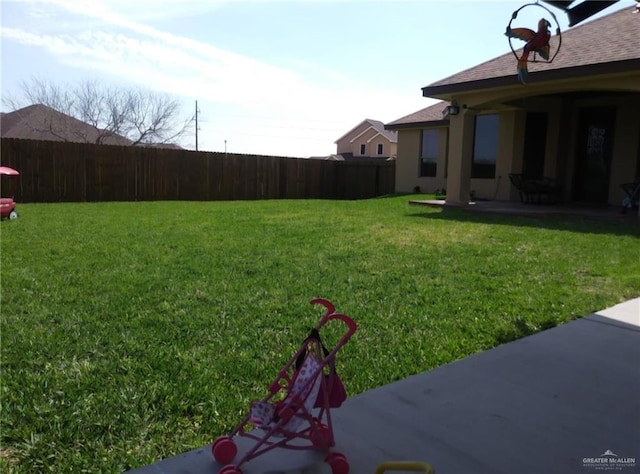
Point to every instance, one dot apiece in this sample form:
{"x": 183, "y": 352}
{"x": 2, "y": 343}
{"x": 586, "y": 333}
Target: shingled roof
{"x": 378, "y": 126}
{"x": 606, "y": 45}
{"x": 39, "y": 122}
{"x": 431, "y": 116}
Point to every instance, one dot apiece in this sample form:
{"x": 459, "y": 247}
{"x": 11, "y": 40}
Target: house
{"x": 576, "y": 120}
{"x": 39, "y": 122}
{"x": 368, "y": 140}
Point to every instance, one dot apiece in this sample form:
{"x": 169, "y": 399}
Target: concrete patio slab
{"x": 516, "y": 208}
{"x": 548, "y": 403}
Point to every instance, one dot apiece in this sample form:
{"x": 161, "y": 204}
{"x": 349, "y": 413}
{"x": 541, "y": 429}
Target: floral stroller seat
{"x": 296, "y": 406}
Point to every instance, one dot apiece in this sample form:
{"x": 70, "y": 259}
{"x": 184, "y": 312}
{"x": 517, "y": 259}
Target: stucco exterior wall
{"x": 388, "y": 148}
{"x": 407, "y": 161}
{"x": 363, "y": 140}
{"x": 344, "y": 145}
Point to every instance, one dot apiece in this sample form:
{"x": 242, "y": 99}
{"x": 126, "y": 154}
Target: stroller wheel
{"x": 338, "y": 463}
{"x": 224, "y": 449}
{"x": 230, "y": 469}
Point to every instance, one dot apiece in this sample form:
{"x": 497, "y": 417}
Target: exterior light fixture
{"x": 452, "y": 109}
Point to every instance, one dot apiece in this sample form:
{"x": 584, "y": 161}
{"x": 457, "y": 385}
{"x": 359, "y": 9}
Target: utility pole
{"x": 197, "y": 125}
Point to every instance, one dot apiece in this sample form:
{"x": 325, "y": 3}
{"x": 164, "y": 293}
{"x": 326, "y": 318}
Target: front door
{"x": 594, "y": 150}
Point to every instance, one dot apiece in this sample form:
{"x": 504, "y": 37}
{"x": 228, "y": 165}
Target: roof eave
{"x": 347, "y": 134}
{"x": 431, "y": 123}
{"x": 444, "y": 91}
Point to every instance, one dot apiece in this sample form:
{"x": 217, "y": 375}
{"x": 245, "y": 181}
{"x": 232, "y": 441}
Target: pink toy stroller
{"x": 296, "y": 412}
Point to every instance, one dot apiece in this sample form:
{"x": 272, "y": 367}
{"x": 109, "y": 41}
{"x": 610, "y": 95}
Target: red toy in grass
{"x": 296, "y": 413}
{"x": 7, "y": 204}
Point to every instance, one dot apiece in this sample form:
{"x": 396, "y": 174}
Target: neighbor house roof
{"x": 39, "y": 122}
{"x": 332, "y": 157}
{"x": 606, "y": 45}
{"x": 168, "y": 146}
{"x": 378, "y": 126}
{"x": 429, "y": 116}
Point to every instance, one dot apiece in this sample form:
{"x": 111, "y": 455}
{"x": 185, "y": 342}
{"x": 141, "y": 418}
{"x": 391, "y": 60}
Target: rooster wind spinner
{"x": 536, "y": 42}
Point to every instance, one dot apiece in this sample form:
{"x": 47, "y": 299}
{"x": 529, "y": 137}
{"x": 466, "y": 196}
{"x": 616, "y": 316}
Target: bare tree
{"x": 140, "y": 116}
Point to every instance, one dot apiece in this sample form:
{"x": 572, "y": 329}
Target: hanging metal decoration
{"x": 536, "y": 42}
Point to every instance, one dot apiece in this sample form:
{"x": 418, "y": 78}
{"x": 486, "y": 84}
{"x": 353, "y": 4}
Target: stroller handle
{"x": 326, "y": 303}
{"x": 351, "y": 324}
{"x": 331, "y": 314}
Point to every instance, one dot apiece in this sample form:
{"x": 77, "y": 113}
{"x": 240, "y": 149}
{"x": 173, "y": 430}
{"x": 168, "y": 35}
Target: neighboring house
{"x": 39, "y": 122}
{"x": 368, "y": 140}
{"x": 576, "y": 120}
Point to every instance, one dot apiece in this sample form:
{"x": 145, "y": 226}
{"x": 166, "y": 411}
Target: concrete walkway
{"x": 555, "y": 402}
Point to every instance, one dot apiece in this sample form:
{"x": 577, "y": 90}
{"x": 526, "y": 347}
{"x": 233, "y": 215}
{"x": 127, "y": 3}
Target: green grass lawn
{"x": 136, "y": 331}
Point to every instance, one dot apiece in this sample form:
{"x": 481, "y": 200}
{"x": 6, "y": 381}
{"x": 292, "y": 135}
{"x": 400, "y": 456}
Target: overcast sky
{"x": 275, "y": 77}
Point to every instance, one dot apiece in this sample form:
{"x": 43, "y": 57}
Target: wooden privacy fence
{"x": 77, "y": 172}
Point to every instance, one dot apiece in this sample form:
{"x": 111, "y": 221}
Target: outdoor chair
{"x": 536, "y": 191}
{"x": 632, "y": 195}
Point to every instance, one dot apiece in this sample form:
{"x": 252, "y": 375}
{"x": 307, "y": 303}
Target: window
{"x": 363, "y": 149}
{"x": 380, "y": 149}
{"x": 485, "y": 147}
{"x": 429, "y": 152}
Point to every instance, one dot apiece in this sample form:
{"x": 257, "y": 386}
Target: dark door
{"x": 593, "y": 158}
{"x": 535, "y": 144}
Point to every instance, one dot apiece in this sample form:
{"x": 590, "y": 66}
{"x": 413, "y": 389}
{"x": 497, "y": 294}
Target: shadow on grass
{"x": 626, "y": 225}
{"x": 523, "y": 328}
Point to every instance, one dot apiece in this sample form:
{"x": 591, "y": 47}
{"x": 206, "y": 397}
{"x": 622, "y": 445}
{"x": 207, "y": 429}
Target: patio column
{"x": 461, "y": 129}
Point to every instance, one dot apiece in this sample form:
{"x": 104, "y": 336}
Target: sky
{"x": 270, "y": 77}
